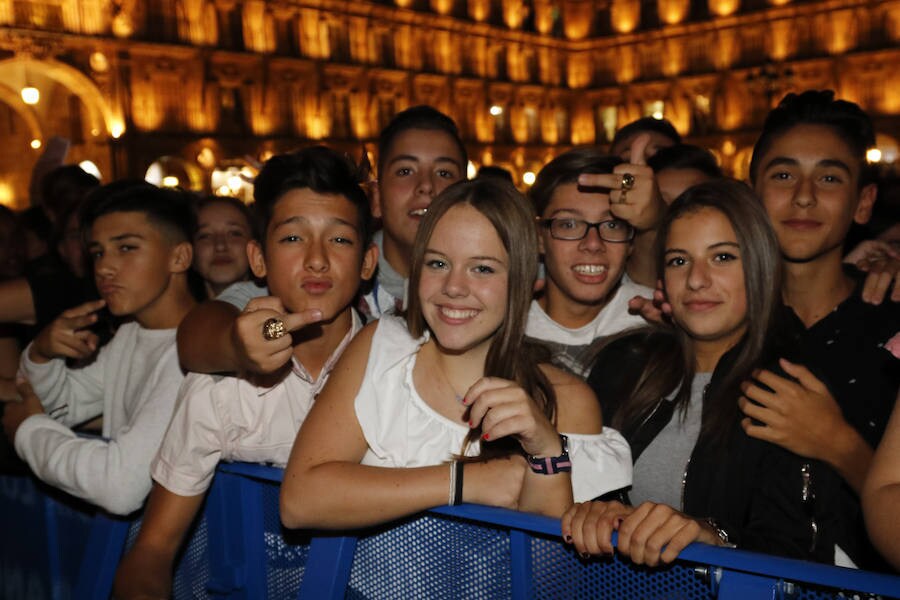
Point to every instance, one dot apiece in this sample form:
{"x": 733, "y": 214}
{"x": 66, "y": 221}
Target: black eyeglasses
{"x": 611, "y": 230}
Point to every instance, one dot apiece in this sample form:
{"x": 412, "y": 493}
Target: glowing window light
{"x": 235, "y": 183}
{"x": 170, "y": 181}
{"x": 89, "y": 167}
{"x": 31, "y": 95}
{"x": 873, "y": 155}
{"x": 496, "y": 110}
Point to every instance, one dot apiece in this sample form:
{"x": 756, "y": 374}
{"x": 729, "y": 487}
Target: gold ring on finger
{"x": 273, "y": 329}
{"x": 627, "y": 181}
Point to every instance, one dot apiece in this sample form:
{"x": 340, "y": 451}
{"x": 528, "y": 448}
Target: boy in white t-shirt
{"x": 585, "y": 241}
{"x": 316, "y": 249}
{"x": 139, "y": 238}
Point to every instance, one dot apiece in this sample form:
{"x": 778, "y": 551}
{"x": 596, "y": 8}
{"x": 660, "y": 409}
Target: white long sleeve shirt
{"x": 133, "y": 384}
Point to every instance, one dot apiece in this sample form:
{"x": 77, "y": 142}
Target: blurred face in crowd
{"x": 673, "y": 182}
{"x": 12, "y": 251}
{"x": 220, "y": 246}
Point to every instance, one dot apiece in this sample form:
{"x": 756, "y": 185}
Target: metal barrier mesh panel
{"x": 432, "y": 558}
{"x": 192, "y": 571}
{"x": 803, "y": 591}
{"x": 558, "y": 572}
{"x": 73, "y": 519}
{"x": 24, "y": 565}
{"x": 286, "y": 551}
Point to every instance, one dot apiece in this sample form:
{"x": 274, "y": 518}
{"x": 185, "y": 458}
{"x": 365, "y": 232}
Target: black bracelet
{"x": 458, "y": 484}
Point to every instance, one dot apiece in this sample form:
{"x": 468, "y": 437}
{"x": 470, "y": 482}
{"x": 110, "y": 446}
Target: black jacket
{"x": 765, "y": 497}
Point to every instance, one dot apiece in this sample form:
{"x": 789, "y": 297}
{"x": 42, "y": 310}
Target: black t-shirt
{"x": 846, "y": 349}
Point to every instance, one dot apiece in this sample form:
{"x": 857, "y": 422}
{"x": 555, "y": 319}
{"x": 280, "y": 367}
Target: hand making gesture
{"x": 633, "y": 193}
{"x": 261, "y": 334}
{"x": 68, "y": 335}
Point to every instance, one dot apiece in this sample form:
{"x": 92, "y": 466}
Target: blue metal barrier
{"x": 53, "y": 548}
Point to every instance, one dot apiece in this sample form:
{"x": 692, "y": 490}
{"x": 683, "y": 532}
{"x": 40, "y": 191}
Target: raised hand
{"x": 655, "y": 310}
{"x": 881, "y": 261}
{"x": 67, "y": 336}
{"x": 501, "y": 408}
{"x": 633, "y": 193}
{"x": 254, "y": 351}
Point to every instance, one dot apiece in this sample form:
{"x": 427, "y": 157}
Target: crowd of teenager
{"x": 637, "y": 345}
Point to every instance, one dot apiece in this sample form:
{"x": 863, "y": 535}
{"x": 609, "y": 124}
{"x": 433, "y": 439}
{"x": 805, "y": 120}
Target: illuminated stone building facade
{"x": 207, "y": 83}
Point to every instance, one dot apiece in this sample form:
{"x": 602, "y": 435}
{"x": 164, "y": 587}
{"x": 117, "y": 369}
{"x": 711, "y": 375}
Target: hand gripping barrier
{"x": 54, "y": 547}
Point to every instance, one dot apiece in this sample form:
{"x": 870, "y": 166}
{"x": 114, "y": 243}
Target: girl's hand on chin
{"x": 503, "y": 408}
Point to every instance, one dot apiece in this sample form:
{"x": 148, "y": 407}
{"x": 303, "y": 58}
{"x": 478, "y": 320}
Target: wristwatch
{"x": 551, "y": 465}
{"x": 719, "y": 531}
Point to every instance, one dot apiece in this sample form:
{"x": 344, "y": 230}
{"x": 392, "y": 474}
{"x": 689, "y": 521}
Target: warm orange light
{"x": 672, "y": 11}
{"x": 6, "y": 194}
{"x": 30, "y": 95}
{"x": 625, "y": 15}
{"x": 723, "y": 8}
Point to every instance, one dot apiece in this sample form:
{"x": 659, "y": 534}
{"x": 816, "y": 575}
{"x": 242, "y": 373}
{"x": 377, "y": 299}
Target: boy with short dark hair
{"x": 809, "y": 168}
{"x": 585, "y": 248}
{"x": 315, "y": 252}
{"x": 139, "y": 239}
{"x": 420, "y": 154}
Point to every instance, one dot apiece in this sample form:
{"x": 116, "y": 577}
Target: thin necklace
{"x": 457, "y": 396}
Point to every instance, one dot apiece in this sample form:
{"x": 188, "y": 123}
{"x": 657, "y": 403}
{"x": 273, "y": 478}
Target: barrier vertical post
{"x": 328, "y": 568}
{"x": 520, "y": 569}
{"x": 735, "y": 585}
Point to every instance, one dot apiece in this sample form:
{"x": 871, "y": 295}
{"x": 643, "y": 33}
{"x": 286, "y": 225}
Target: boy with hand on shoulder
{"x": 316, "y": 250}
{"x": 139, "y": 238}
{"x": 420, "y": 153}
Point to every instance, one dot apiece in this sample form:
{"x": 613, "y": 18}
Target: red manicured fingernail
{"x": 470, "y": 422}
{"x": 486, "y": 436}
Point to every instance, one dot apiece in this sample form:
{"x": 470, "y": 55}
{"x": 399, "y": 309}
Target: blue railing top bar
{"x": 738, "y": 560}
{"x": 239, "y": 550}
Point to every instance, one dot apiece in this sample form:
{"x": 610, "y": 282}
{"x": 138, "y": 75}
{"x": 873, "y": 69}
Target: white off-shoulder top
{"x": 401, "y": 430}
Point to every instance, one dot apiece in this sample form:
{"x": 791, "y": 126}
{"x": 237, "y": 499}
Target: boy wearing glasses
{"x": 585, "y": 249}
